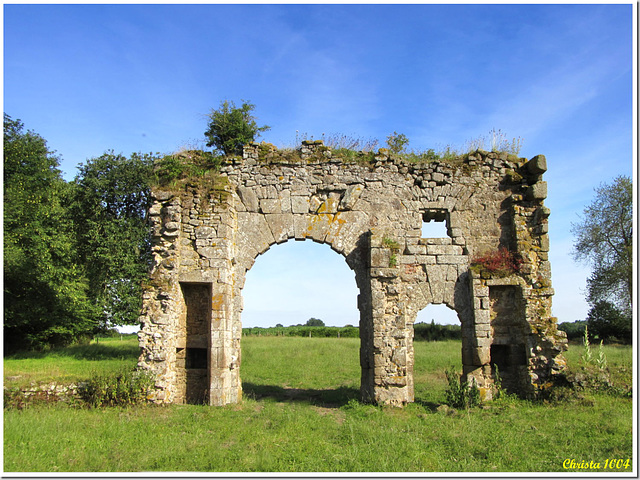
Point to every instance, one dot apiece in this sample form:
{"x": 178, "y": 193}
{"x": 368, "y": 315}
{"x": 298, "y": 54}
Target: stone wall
{"x": 371, "y": 212}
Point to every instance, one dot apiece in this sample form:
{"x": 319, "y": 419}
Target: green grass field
{"x": 300, "y": 414}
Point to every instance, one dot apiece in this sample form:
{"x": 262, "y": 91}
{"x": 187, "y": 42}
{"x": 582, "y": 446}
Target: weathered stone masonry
{"x": 371, "y": 213}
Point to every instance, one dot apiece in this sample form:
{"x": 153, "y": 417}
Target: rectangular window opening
{"x": 435, "y": 224}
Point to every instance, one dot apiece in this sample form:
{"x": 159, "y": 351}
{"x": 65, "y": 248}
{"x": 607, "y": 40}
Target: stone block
{"x": 205, "y": 232}
{"x": 249, "y": 198}
{"x": 156, "y": 209}
{"x": 330, "y": 205}
{"x": 270, "y": 205}
{"x": 426, "y": 259}
{"x": 452, "y": 259}
{"x": 482, "y": 316}
{"x": 385, "y": 272}
{"x": 350, "y": 197}
{"x": 285, "y": 201}
{"x": 318, "y": 226}
{"x": 444, "y": 250}
{"x": 537, "y": 191}
{"x": 299, "y": 204}
{"x": 253, "y": 232}
{"x": 537, "y": 165}
{"x": 415, "y": 250}
{"x": 544, "y": 243}
{"x": 345, "y": 230}
{"x": 281, "y": 225}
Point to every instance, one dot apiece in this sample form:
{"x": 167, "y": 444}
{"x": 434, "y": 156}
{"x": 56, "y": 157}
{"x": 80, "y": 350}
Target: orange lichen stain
{"x": 314, "y": 220}
{"x": 217, "y": 301}
{"x": 329, "y": 205}
{"x": 338, "y": 219}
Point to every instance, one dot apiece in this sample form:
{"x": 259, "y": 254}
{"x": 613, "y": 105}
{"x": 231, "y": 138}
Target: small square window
{"x": 435, "y": 224}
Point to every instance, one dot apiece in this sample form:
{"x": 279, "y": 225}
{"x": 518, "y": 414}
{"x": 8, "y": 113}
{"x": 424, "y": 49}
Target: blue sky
{"x": 131, "y": 78}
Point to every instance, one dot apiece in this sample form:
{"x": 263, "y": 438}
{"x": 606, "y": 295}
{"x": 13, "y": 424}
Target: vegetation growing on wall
{"x": 231, "y": 127}
{"x": 499, "y": 263}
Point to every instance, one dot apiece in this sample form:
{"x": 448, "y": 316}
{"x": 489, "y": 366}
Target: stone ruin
{"x": 371, "y": 212}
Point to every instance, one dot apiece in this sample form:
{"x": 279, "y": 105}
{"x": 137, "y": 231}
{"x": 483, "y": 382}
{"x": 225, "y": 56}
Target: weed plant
{"x": 500, "y": 263}
{"x": 124, "y": 388}
{"x": 461, "y": 394}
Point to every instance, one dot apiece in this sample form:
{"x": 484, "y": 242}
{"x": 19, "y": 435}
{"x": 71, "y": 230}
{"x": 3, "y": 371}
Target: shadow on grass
{"x": 430, "y": 406}
{"x": 84, "y": 352}
{"x": 328, "y": 398}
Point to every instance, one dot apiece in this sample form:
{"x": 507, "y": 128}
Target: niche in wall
{"x": 509, "y": 330}
{"x": 193, "y": 344}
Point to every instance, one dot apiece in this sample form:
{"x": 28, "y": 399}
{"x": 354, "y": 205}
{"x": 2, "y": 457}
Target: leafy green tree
{"x": 314, "y": 322}
{"x": 574, "y": 330}
{"x": 231, "y": 127}
{"x": 397, "y": 142}
{"x": 606, "y": 322}
{"x": 110, "y": 204}
{"x": 605, "y": 240}
{"x": 45, "y": 292}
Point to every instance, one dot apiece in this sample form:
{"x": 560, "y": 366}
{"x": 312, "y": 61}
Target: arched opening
{"x": 437, "y": 348}
{"x": 284, "y": 355}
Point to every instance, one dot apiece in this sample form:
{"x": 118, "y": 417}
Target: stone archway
{"x": 288, "y": 284}
{"x": 371, "y": 212}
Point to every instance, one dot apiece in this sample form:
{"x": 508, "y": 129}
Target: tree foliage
{"x": 604, "y": 239}
{"x": 231, "y": 127}
{"x": 574, "y": 330}
{"x": 314, "y": 322}
{"x": 45, "y": 291}
{"x": 397, "y": 142}
{"x": 607, "y": 322}
{"x": 110, "y": 204}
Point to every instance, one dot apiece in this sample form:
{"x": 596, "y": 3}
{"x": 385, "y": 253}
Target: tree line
{"x": 75, "y": 253}
{"x": 422, "y": 331}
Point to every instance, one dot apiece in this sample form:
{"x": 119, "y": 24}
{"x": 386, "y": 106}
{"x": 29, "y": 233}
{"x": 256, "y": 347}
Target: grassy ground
{"x": 300, "y": 414}
{"x": 73, "y": 363}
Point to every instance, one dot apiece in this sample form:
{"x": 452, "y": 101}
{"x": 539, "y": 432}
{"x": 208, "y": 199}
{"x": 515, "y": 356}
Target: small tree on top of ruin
{"x": 231, "y": 127}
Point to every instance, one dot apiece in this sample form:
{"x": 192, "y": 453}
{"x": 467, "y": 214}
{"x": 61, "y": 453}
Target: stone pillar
{"x": 391, "y": 328}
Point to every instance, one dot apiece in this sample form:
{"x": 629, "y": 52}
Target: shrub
{"x": 348, "y": 331}
{"x": 185, "y": 164}
{"x": 231, "y": 127}
{"x": 123, "y": 388}
{"x": 500, "y": 263}
{"x": 397, "y": 142}
{"x": 460, "y": 394}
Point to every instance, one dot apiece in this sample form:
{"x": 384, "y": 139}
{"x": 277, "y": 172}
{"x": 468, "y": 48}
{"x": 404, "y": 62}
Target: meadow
{"x": 300, "y": 413}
